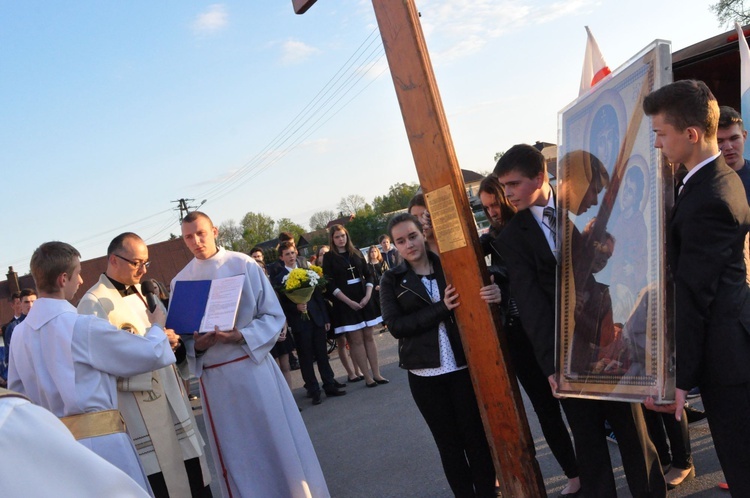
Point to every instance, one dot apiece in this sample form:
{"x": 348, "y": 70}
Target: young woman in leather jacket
{"x": 417, "y": 304}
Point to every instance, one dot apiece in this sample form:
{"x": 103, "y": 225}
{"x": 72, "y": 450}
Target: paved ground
{"x": 373, "y": 443}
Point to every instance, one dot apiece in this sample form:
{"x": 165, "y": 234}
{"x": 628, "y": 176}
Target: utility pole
{"x": 182, "y": 206}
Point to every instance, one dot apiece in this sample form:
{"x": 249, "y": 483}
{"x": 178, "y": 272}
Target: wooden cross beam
{"x": 439, "y": 174}
{"x": 301, "y": 6}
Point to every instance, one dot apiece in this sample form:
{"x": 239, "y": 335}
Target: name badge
{"x": 353, "y": 281}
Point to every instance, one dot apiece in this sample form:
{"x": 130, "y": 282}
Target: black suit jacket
{"x": 532, "y": 269}
{"x": 316, "y": 308}
{"x": 706, "y": 237}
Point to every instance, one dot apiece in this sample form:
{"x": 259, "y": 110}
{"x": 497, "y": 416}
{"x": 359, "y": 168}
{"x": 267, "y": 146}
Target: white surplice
{"x": 45, "y": 460}
{"x": 69, "y": 364}
{"x": 158, "y": 414}
{"x": 259, "y": 442}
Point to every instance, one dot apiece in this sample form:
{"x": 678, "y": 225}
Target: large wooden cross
{"x": 439, "y": 174}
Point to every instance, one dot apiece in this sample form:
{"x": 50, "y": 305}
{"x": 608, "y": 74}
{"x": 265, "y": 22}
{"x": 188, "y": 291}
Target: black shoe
{"x": 356, "y": 379}
{"x": 338, "y": 385}
{"x": 694, "y": 415}
{"x": 374, "y": 384}
{"x": 316, "y": 398}
{"x": 293, "y": 362}
{"x": 333, "y": 391}
{"x": 381, "y": 381}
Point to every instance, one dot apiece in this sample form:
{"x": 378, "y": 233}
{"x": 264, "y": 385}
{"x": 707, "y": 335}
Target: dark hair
{"x": 195, "y": 215}
{"x": 417, "y": 200}
{"x": 27, "y": 292}
{"x": 491, "y": 186}
{"x": 117, "y": 242}
{"x": 350, "y": 248}
{"x": 383, "y": 237}
{"x": 523, "y": 158}
{"x": 685, "y": 103}
{"x": 401, "y": 218}
{"x": 49, "y": 261}
{"x": 284, "y": 236}
{"x": 14, "y": 296}
{"x": 287, "y": 244}
{"x": 728, "y": 116}
{"x": 255, "y": 249}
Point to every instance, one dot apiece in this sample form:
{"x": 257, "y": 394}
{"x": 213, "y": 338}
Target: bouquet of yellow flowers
{"x": 300, "y": 284}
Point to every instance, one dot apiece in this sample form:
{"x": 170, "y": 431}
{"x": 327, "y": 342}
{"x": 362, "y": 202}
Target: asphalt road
{"x": 373, "y": 442}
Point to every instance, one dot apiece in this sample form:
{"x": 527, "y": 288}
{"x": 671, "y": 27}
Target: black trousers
{"x": 727, "y": 409}
{"x": 639, "y": 458}
{"x": 449, "y": 407}
{"x": 195, "y": 477}
{"x": 311, "y": 346}
{"x": 663, "y": 427}
{"x": 546, "y": 406}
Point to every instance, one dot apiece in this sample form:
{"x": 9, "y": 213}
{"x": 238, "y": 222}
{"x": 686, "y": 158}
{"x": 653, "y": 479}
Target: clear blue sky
{"x": 110, "y": 110}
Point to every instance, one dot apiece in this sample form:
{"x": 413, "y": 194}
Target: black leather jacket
{"x": 414, "y": 319}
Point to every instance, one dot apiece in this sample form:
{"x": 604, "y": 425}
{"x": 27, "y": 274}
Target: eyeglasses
{"x": 136, "y": 264}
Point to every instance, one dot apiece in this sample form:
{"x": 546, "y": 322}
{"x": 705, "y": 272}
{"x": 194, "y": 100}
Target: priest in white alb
{"x": 259, "y": 442}
{"x": 154, "y": 404}
{"x": 69, "y": 363}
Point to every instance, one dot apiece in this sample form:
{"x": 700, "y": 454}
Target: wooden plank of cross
{"x": 440, "y": 176}
{"x": 301, "y": 6}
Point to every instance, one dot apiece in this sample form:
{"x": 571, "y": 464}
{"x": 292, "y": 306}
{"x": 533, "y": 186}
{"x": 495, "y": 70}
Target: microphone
{"x": 149, "y": 290}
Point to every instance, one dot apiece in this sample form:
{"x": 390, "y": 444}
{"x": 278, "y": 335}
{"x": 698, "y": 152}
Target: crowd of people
{"x": 112, "y": 373}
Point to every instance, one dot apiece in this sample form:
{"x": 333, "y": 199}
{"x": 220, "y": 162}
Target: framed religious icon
{"x": 615, "y": 336}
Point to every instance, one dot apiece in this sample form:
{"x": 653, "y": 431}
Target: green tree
{"x": 287, "y": 225}
{"x": 729, "y": 11}
{"x": 321, "y": 218}
{"x": 256, "y": 228}
{"x": 365, "y": 229}
{"x": 398, "y": 197}
{"x": 230, "y": 237}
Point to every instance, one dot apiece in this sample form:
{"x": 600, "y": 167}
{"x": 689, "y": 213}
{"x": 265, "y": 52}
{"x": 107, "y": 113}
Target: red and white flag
{"x": 594, "y": 67}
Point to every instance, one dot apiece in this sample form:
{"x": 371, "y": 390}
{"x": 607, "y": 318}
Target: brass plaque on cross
{"x": 446, "y": 222}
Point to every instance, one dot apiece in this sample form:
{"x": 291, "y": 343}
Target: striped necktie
{"x": 551, "y": 222}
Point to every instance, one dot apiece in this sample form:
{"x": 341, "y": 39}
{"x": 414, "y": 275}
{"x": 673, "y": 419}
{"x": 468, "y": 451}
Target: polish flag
{"x": 594, "y": 67}
{"x": 744, "y": 79}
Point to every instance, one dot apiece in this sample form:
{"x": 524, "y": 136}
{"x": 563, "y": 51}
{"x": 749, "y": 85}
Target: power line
{"x": 313, "y": 108}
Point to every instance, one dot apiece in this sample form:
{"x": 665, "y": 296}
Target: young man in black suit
{"x": 309, "y": 332}
{"x": 705, "y": 240}
{"x": 529, "y": 247}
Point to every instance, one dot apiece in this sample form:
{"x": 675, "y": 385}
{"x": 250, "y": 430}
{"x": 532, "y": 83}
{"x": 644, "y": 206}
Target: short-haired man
{"x": 257, "y": 254}
{"x": 390, "y": 254}
{"x": 499, "y": 211}
{"x": 705, "y": 240}
{"x": 69, "y": 363}
{"x": 15, "y": 304}
{"x": 259, "y": 442}
{"x": 155, "y": 408}
{"x": 731, "y": 137}
{"x": 275, "y": 267}
{"x": 309, "y": 332}
{"x": 27, "y": 298}
{"x": 528, "y": 244}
